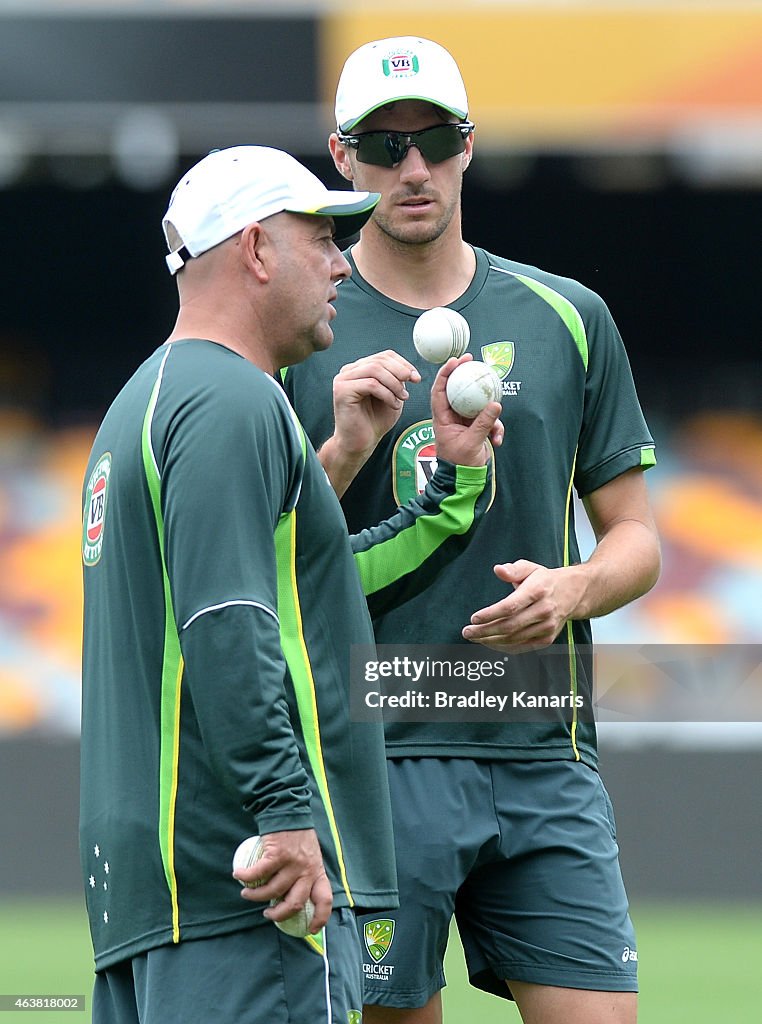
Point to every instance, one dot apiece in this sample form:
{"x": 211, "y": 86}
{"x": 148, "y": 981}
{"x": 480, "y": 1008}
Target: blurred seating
{"x": 707, "y": 493}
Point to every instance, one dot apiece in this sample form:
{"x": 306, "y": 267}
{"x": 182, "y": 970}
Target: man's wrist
{"x": 333, "y": 453}
{"x": 579, "y": 577}
{"x": 341, "y": 465}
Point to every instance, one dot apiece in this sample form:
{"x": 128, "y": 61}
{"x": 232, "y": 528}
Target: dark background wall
{"x": 84, "y": 288}
{"x": 153, "y": 58}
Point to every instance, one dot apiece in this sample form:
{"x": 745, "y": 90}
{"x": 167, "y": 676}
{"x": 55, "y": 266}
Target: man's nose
{"x": 341, "y": 268}
{"x": 413, "y": 164}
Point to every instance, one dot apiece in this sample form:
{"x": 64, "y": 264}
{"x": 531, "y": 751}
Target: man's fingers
{"x": 271, "y": 884}
{"x": 515, "y": 572}
{"x": 504, "y": 609}
{"x": 382, "y": 362}
{"x": 487, "y": 420}
{"x": 520, "y": 644}
{"x": 292, "y": 902}
{"x": 259, "y": 876}
{"x": 439, "y": 387}
{"x": 497, "y": 434}
{"x": 500, "y": 615}
{"x": 385, "y": 387}
{"x": 382, "y": 376}
{"x": 322, "y": 898}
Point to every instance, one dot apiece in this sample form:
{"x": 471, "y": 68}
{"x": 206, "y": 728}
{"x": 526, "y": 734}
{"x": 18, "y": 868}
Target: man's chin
{"x": 418, "y": 232}
{"x": 318, "y": 341}
{"x": 323, "y": 338}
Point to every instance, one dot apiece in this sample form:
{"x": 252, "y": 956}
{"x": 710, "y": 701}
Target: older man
{"x": 221, "y": 602}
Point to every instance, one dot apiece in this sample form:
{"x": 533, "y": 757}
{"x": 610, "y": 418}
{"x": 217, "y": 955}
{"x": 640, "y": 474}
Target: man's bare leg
{"x": 431, "y": 1013}
{"x": 546, "y": 1004}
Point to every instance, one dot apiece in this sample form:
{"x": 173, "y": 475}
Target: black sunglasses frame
{"x": 393, "y": 150}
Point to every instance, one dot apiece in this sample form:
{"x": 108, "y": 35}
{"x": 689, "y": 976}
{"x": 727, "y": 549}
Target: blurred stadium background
{"x": 619, "y": 143}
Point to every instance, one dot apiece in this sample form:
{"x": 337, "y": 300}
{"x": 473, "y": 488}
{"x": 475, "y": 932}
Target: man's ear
{"x": 253, "y": 250}
{"x": 340, "y": 156}
{"x": 468, "y": 152}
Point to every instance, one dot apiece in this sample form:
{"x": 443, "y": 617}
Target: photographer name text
{"x": 477, "y": 699}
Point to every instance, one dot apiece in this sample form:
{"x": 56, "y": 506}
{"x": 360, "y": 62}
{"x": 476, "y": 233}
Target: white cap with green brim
{"x": 231, "y": 188}
{"x": 402, "y": 68}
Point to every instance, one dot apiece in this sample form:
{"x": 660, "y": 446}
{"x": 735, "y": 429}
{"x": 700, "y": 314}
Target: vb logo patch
{"x": 94, "y": 519}
{"x": 414, "y": 461}
{"x": 378, "y": 938}
{"x": 354, "y": 1017}
{"x": 400, "y": 64}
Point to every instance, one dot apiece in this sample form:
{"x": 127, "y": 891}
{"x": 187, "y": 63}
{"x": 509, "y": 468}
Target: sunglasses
{"x": 387, "y": 149}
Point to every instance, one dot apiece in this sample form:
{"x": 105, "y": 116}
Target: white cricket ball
{"x": 440, "y": 333}
{"x": 247, "y": 854}
{"x": 471, "y": 386}
{"x": 299, "y": 923}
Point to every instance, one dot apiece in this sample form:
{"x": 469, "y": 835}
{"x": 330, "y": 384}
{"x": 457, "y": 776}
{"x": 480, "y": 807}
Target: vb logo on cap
{"x": 400, "y": 65}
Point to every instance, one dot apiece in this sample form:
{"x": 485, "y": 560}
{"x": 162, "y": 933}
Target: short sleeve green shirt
{"x": 572, "y": 421}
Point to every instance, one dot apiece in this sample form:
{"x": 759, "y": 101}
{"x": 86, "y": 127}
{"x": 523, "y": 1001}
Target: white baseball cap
{"x": 230, "y": 188}
{"x": 401, "y": 68}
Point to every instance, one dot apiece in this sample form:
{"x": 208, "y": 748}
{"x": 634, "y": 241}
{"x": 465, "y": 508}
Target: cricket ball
{"x": 471, "y": 386}
{"x": 440, "y": 333}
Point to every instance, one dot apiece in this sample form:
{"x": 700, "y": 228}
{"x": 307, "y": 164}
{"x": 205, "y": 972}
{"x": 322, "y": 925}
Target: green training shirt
{"x": 221, "y": 601}
{"x": 572, "y": 419}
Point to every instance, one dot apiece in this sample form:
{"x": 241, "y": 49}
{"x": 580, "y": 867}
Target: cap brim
{"x": 350, "y": 210}
{"x": 352, "y": 123}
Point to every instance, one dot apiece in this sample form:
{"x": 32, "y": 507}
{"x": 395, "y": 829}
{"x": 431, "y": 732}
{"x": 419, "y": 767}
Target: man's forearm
{"x": 341, "y": 466}
{"x": 624, "y": 566}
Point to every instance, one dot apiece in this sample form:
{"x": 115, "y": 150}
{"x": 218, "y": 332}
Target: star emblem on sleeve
{"x": 98, "y": 879}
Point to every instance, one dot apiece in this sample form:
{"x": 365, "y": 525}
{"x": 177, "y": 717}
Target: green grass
{"x": 45, "y": 948}
{"x": 701, "y": 965}
{"x": 698, "y": 964}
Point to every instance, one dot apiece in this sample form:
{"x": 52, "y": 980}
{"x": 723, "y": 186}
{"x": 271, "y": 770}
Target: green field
{"x": 698, "y": 965}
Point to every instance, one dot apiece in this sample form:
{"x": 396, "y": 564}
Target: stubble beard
{"x": 421, "y": 233}
{"x": 412, "y": 233}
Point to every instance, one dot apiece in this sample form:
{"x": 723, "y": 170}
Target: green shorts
{"x": 524, "y": 853}
{"x": 247, "y": 976}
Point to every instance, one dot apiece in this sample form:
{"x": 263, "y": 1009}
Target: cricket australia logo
{"x": 414, "y": 461}
{"x": 500, "y": 356}
{"x": 379, "y": 935}
{"x": 94, "y": 519}
{"x": 400, "y": 64}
